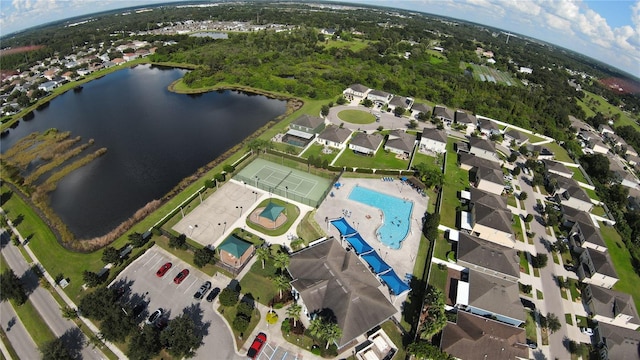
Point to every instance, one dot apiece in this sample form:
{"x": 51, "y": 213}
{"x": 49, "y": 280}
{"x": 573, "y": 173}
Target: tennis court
{"x": 279, "y": 179}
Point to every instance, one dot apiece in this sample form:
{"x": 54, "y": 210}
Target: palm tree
{"x": 282, "y": 283}
{"x": 281, "y": 261}
{"x": 263, "y": 254}
{"x": 332, "y": 333}
{"x": 317, "y": 328}
{"x": 294, "y": 311}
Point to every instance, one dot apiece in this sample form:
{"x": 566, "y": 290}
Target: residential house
{"x": 400, "y": 142}
{"x": 488, "y": 127}
{"x": 515, "y": 137}
{"x": 118, "y": 61}
{"x": 596, "y": 268}
{"x": 48, "y": 86}
{"x": 474, "y": 337}
{"x": 622, "y": 175}
{"x": 633, "y": 160}
{"x": 418, "y": 108}
{"x": 129, "y": 56}
{"x": 575, "y": 196}
{"x": 464, "y": 119}
{"x": 469, "y": 161}
{"x": 491, "y": 224}
{"x": 483, "y": 148}
{"x": 489, "y": 179}
{"x": 540, "y": 152}
{"x": 557, "y": 168}
{"x": 598, "y": 146}
{"x": 558, "y": 184}
{"x": 605, "y": 130}
{"x": 615, "y": 343}
{"x": 379, "y": 97}
{"x": 631, "y": 151}
{"x": 611, "y": 307}
{"x": 329, "y": 279}
{"x": 433, "y": 140}
{"x": 492, "y": 297}
{"x": 585, "y": 234}
{"x": 334, "y": 136}
{"x": 617, "y": 143}
{"x": 487, "y": 257}
{"x": 308, "y": 124}
{"x": 356, "y": 92}
{"x": 400, "y": 101}
{"x": 443, "y": 113}
{"x": 366, "y": 143}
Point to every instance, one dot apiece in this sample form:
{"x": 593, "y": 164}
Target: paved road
{"x": 20, "y": 339}
{"x": 552, "y": 299}
{"x": 46, "y": 305}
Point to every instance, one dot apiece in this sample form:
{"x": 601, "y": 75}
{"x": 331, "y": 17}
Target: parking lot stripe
{"x": 151, "y": 258}
{"x": 190, "y": 286}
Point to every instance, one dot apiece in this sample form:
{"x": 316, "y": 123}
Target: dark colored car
{"x": 203, "y": 290}
{"x": 532, "y": 344}
{"x": 138, "y": 309}
{"x": 181, "y": 276}
{"x": 569, "y": 267}
{"x": 155, "y": 316}
{"x": 257, "y": 345}
{"x": 212, "y": 295}
{"x": 163, "y": 269}
{"x": 528, "y": 304}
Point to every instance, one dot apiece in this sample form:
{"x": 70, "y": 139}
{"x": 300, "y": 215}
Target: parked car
{"x": 532, "y": 344}
{"x": 138, "y": 309}
{"x": 203, "y": 290}
{"x": 155, "y": 316}
{"x": 586, "y": 331}
{"x": 257, "y": 345}
{"x": 569, "y": 267}
{"x": 181, "y": 276}
{"x": 163, "y": 269}
{"x": 212, "y": 295}
{"x": 528, "y": 304}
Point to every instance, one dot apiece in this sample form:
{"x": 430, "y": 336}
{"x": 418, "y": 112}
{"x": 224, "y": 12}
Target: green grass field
{"x": 356, "y": 117}
{"x": 315, "y": 150}
{"x": 353, "y": 45}
{"x": 381, "y": 160}
{"x": 621, "y": 259}
{"x": 577, "y": 175}
{"x": 559, "y": 152}
{"x": 593, "y": 103}
{"x": 456, "y": 179}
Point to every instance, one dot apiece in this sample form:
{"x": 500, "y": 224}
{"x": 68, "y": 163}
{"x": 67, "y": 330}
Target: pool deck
{"x": 366, "y": 220}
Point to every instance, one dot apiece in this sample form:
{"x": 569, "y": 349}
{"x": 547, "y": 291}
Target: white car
{"x": 586, "y": 331}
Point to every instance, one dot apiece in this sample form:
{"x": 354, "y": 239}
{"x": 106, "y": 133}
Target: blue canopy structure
{"x": 395, "y": 284}
{"x": 377, "y": 264}
{"x": 358, "y": 243}
{"x": 272, "y": 211}
{"x": 343, "y": 227}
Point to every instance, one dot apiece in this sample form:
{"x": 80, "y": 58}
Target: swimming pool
{"x": 396, "y": 214}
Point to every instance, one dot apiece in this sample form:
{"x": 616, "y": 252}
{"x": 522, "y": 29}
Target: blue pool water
{"x": 396, "y": 213}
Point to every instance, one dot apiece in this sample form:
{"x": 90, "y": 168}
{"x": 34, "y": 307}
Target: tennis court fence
{"x": 283, "y": 192}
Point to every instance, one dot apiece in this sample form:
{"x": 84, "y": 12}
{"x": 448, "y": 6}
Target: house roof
{"x": 590, "y": 233}
{"x": 570, "y": 214}
{"x": 423, "y": 108}
{"x": 234, "y": 246}
{"x": 541, "y": 150}
{"x": 399, "y": 101}
{"x": 476, "y": 161}
{"x": 561, "y": 181}
{"x": 379, "y": 93}
{"x": 308, "y": 121}
{"x": 465, "y": 118}
{"x": 369, "y": 141}
{"x": 435, "y": 134}
{"x": 359, "y": 88}
{"x": 330, "y": 278}
{"x": 499, "y": 219}
{"x": 400, "y": 140}
{"x": 515, "y": 134}
{"x": 602, "y": 263}
{"x": 557, "y": 167}
{"x": 621, "y": 343}
{"x": 443, "y": 112}
{"x": 335, "y": 134}
{"x": 577, "y": 192}
{"x": 597, "y": 142}
{"x": 474, "y": 337}
{"x": 488, "y": 125}
{"x": 493, "y": 175}
{"x": 482, "y": 144}
{"x": 487, "y": 198}
{"x": 488, "y": 255}
{"x": 496, "y": 295}
{"x": 611, "y": 303}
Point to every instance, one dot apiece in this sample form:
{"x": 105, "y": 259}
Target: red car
{"x": 257, "y": 345}
{"x": 181, "y": 276}
{"x": 163, "y": 269}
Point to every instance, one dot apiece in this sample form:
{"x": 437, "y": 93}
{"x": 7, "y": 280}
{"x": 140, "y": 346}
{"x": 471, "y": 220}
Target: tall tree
{"x": 293, "y": 311}
{"x": 332, "y": 333}
{"x": 55, "y": 350}
{"x": 263, "y": 254}
{"x": 144, "y": 344}
{"x": 281, "y": 261}
{"x": 11, "y": 288}
{"x": 281, "y": 283}
{"x": 180, "y": 337}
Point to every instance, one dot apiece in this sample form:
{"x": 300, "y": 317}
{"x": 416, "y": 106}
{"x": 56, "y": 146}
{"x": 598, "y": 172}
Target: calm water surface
{"x": 154, "y": 139}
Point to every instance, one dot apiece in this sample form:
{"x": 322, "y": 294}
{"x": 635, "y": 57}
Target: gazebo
{"x": 271, "y": 212}
{"x": 235, "y": 251}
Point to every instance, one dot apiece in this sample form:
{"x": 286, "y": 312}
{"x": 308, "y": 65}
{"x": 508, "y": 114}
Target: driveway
{"x": 144, "y": 287}
{"x": 387, "y": 120}
{"x": 16, "y": 333}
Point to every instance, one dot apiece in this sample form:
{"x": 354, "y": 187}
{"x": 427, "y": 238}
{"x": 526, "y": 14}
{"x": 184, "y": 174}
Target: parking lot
{"x": 277, "y": 353}
{"x": 144, "y": 287}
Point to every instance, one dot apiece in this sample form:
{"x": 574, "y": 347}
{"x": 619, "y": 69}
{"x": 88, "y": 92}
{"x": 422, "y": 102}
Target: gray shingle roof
{"x": 423, "y": 108}
{"x": 516, "y": 135}
{"x": 602, "y": 263}
{"x": 578, "y": 193}
{"x": 328, "y": 277}
{"x": 482, "y": 197}
{"x": 476, "y": 161}
{"x": 620, "y": 343}
{"x": 359, "y": 88}
{"x": 482, "y": 144}
{"x": 369, "y": 141}
{"x": 495, "y": 295}
{"x": 308, "y": 121}
{"x": 434, "y": 134}
{"x": 474, "y": 337}
{"x": 588, "y": 230}
{"x": 443, "y": 112}
{"x": 499, "y": 219}
{"x": 379, "y": 93}
{"x": 493, "y": 175}
{"x": 399, "y": 101}
{"x": 464, "y": 118}
{"x": 400, "y": 140}
{"x": 488, "y": 255}
{"x": 611, "y": 303}
{"x": 556, "y": 166}
{"x": 335, "y": 134}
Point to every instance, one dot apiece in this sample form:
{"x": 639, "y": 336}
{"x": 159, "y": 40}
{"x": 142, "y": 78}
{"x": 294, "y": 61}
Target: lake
{"x": 154, "y": 139}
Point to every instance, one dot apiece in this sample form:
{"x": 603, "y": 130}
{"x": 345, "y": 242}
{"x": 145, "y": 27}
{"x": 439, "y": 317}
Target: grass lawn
{"x": 290, "y": 210}
{"x": 511, "y": 200}
{"x": 536, "y": 272}
{"x": 308, "y": 229}
{"x": 524, "y": 264}
{"x": 573, "y": 289}
{"x": 581, "y": 320}
{"x": 183, "y": 254}
{"x": 621, "y": 259}
{"x": 598, "y": 210}
{"x": 567, "y": 319}
{"x": 517, "y": 228}
{"x": 258, "y": 283}
{"x": 315, "y": 150}
{"x": 431, "y": 160}
{"x": 532, "y": 138}
{"x": 539, "y": 295}
{"x": 353, "y": 45}
{"x": 530, "y": 327}
{"x": 356, "y": 117}
{"x": 592, "y": 101}
{"x": 33, "y": 323}
{"x": 592, "y": 194}
{"x": 381, "y": 160}
{"x": 578, "y": 175}
{"x": 395, "y": 335}
{"x": 559, "y": 152}
{"x": 229, "y": 314}
{"x": 442, "y": 247}
{"x": 438, "y": 277}
{"x": 456, "y": 180}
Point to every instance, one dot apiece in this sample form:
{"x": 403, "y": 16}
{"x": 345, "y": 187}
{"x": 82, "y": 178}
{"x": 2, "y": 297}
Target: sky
{"x": 606, "y": 30}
